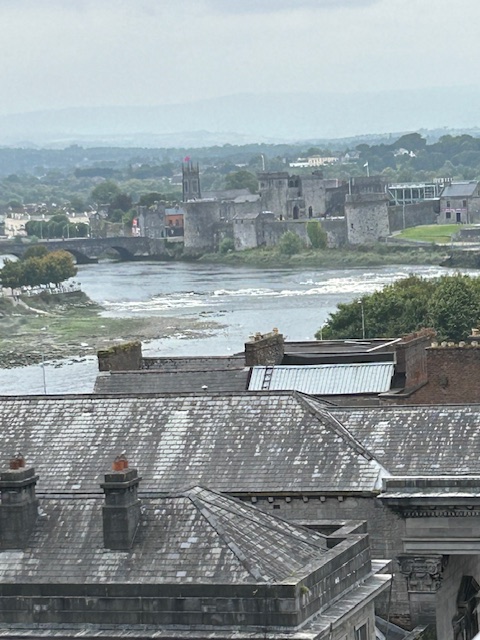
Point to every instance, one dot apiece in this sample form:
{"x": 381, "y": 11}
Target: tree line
{"x": 38, "y": 267}
{"x": 448, "y": 304}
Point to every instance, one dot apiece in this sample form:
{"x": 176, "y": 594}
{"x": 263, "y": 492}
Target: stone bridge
{"x": 86, "y": 250}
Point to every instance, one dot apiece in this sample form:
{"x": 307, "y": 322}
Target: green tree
{"x": 316, "y": 234}
{"x": 105, "y": 192}
{"x": 37, "y": 251}
{"x": 59, "y": 266}
{"x": 290, "y": 244}
{"x": 455, "y": 307}
{"x": 11, "y": 273}
{"x": 450, "y": 305}
{"x": 242, "y": 179}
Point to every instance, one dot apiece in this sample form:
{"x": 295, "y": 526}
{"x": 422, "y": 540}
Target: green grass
{"x": 438, "y": 233}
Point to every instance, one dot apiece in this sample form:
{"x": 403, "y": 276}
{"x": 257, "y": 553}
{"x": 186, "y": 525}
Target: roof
{"x": 171, "y": 381}
{"x": 325, "y": 379}
{"x": 418, "y": 440}
{"x": 459, "y": 189}
{"x": 240, "y": 442}
{"x": 195, "y": 536}
{"x": 194, "y": 363}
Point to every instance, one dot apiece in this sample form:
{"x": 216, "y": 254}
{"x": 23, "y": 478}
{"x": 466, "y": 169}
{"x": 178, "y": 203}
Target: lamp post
{"x": 360, "y": 302}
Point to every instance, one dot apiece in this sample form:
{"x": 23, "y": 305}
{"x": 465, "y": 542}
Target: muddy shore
{"x": 71, "y": 326}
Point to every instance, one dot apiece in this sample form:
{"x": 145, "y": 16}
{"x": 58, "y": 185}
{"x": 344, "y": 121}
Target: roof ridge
{"x": 275, "y": 518}
{"x": 340, "y": 429}
{"x": 234, "y": 548}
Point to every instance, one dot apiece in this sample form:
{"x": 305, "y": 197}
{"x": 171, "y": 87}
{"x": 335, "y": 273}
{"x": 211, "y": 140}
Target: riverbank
{"x": 362, "y": 256}
{"x": 51, "y": 327}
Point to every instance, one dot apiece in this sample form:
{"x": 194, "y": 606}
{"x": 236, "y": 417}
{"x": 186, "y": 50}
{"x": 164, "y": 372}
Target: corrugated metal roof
{"x": 325, "y": 379}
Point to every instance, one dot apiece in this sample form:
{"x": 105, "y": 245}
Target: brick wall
{"x": 453, "y": 376}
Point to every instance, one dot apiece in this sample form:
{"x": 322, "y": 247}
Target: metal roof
{"x": 325, "y": 379}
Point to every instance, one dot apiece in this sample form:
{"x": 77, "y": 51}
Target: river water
{"x": 243, "y": 300}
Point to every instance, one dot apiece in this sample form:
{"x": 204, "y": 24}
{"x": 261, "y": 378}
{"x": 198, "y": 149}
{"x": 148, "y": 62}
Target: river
{"x": 242, "y": 300}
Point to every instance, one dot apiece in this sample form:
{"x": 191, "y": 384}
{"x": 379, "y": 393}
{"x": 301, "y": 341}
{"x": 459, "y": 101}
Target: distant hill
{"x": 242, "y": 118}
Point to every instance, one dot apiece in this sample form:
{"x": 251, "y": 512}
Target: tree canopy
{"x": 36, "y": 270}
{"x": 242, "y": 179}
{"x": 449, "y": 304}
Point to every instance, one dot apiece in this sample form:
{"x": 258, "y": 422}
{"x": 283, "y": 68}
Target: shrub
{"x": 290, "y": 244}
{"x": 226, "y": 245}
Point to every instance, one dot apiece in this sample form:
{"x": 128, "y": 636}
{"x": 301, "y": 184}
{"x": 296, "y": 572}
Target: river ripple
{"x": 243, "y": 300}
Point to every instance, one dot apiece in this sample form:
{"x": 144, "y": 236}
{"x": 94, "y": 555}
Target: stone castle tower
{"x": 190, "y": 181}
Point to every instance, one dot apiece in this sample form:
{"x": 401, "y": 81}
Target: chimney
{"x": 121, "y": 512}
{"x": 265, "y": 349}
{"x": 19, "y": 505}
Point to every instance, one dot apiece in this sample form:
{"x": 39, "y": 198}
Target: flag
{"x": 186, "y": 159}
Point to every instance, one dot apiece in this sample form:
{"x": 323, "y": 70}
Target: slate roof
{"x": 156, "y": 381}
{"x": 240, "y": 442}
{"x": 195, "y": 363}
{"x": 459, "y": 189}
{"x": 196, "y": 536}
{"x": 325, "y": 379}
{"x": 418, "y": 440}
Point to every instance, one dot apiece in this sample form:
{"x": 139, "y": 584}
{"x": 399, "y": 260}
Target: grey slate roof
{"x": 195, "y": 363}
{"x": 325, "y": 379}
{"x": 157, "y": 381}
{"x": 459, "y": 189}
{"x": 418, "y": 440}
{"x": 196, "y": 536}
{"x": 242, "y": 442}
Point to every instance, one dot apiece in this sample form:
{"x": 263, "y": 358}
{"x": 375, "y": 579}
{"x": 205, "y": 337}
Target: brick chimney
{"x": 265, "y": 349}
{"x": 19, "y": 504}
{"x": 411, "y": 368}
{"x": 121, "y": 512}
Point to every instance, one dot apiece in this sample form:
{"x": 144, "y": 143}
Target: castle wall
{"x": 200, "y": 219}
{"x": 274, "y": 192}
{"x": 367, "y": 217}
{"x": 313, "y": 192}
{"x": 415, "y": 215}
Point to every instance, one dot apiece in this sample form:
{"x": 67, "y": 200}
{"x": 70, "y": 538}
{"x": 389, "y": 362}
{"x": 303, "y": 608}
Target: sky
{"x": 63, "y": 53}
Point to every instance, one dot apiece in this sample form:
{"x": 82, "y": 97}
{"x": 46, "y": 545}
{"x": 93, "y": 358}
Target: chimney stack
{"x": 19, "y": 504}
{"x": 121, "y": 512}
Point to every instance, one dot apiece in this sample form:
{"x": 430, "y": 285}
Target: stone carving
{"x": 423, "y": 573}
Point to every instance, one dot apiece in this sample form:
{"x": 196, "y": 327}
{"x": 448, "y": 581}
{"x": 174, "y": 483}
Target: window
{"x": 464, "y": 204}
{"x": 448, "y": 215}
{"x": 185, "y": 186}
{"x": 448, "y": 204}
{"x": 361, "y": 633}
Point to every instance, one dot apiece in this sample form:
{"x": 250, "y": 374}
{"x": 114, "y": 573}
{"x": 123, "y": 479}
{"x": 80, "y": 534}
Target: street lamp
{"x": 360, "y": 302}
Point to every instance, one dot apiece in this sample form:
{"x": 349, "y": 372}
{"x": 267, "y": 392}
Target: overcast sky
{"x": 61, "y": 53}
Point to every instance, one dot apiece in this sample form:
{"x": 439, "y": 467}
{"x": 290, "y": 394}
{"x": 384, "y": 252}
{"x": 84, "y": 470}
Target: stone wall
{"x": 366, "y": 217}
{"x": 446, "y": 609}
{"x": 275, "y": 229}
{"x": 415, "y": 215}
{"x": 313, "y": 191}
{"x": 336, "y": 229}
{"x": 121, "y": 357}
{"x": 199, "y": 225}
{"x": 264, "y": 349}
{"x": 385, "y": 528}
{"x": 273, "y": 189}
